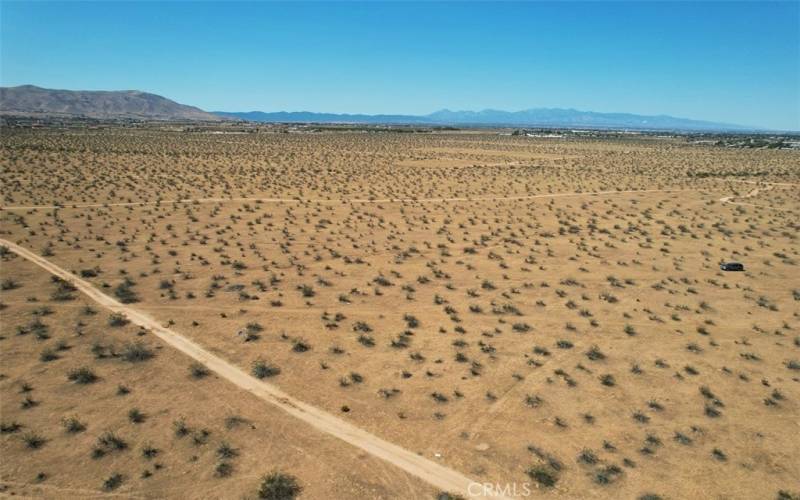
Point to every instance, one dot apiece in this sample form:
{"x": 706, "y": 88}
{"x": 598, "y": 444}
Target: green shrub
{"x": 279, "y": 486}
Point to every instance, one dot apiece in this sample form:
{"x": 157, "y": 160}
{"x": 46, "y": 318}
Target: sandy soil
{"x": 434, "y": 474}
{"x": 561, "y": 325}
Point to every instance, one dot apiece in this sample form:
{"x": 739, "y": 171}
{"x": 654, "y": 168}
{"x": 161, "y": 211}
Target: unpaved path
{"x": 769, "y": 186}
{"x": 345, "y": 201}
{"x": 437, "y": 475}
{"x": 724, "y": 199}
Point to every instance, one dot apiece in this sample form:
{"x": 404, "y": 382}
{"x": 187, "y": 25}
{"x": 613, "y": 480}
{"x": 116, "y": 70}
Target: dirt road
{"x": 344, "y": 202}
{"x": 724, "y": 199}
{"x": 437, "y": 475}
{"x": 770, "y": 185}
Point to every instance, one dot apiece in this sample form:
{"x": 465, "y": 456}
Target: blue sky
{"x": 735, "y": 62}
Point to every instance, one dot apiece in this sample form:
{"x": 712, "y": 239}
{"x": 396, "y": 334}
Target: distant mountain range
{"x": 28, "y": 100}
{"x": 310, "y": 117}
{"x": 539, "y": 117}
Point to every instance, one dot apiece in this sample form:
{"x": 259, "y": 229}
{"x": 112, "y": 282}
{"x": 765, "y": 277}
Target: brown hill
{"x": 29, "y": 100}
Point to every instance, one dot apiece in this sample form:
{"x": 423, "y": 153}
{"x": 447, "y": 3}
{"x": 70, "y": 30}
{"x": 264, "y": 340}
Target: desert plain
{"x": 544, "y": 317}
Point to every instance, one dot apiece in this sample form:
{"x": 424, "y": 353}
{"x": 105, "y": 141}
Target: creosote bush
{"x": 279, "y": 486}
{"x": 82, "y": 375}
{"x": 261, "y": 369}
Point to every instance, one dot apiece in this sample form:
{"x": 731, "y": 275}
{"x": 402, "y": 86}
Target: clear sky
{"x": 735, "y": 62}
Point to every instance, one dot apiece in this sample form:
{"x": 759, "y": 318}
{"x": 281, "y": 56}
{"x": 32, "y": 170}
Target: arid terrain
{"x": 396, "y": 315}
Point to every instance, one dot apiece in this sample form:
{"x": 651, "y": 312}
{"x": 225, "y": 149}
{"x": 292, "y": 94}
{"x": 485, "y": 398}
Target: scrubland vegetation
{"x": 521, "y": 310}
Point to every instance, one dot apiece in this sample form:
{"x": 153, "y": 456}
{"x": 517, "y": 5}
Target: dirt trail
{"x": 437, "y": 475}
{"x": 344, "y": 202}
{"x": 724, "y": 199}
{"x": 770, "y": 186}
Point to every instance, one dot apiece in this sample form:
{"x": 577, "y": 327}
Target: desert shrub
{"x": 113, "y": 482}
{"x": 180, "y": 428}
{"x": 234, "y": 421}
{"x": 226, "y": 451}
{"x": 72, "y": 425}
{"x": 48, "y": 355}
{"x": 9, "y": 284}
{"x": 607, "y": 474}
{"x": 382, "y": 281}
{"x": 149, "y": 451}
{"x": 111, "y": 442}
{"x": 33, "y": 440}
{"x": 10, "y": 427}
{"x": 136, "y": 416}
{"x": 223, "y": 469}
{"x": 117, "y": 320}
{"x": 401, "y": 342}
{"x": 300, "y": 346}
{"x": 360, "y": 326}
{"x": 595, "y": 354}
{"x": 533, "y": 400}
{"x": 136, "y": 352}
{"x": 124, "y": 292}
{"x": 63, "y": 294}
{"x": 682, "y": 438}
{"x": 198, "y": 371}
{"x": 100, "y": 351}
{"x": 261, "y": 369}
{"x": 82, "y": 375}
{"x": 90, "y": 273}
{"x": 544, "y": 476}
{"x": 366, "y": 340}
{"x": 444, "y": 495}
{"x": 28, "y": 403}
{"x": 587, "y": 457}
{"x": 279, "y": 486}
{"x": 253, "y": 327}
{"x": 411, "y": 320}
{"x": 439, "y": 397}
